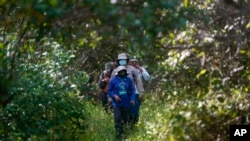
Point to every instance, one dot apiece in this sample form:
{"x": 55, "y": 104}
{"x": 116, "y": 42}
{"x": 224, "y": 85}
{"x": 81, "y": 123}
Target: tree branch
{"x": 12, "y": 63}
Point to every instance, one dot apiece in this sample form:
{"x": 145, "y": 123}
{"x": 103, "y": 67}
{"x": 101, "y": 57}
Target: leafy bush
{"x": 174, "y": 118}
{"x": 194, "y": 103}
{"x": 43, "y": 115}
{"x": 46, "y": 105}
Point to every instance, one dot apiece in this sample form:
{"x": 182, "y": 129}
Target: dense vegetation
{"x": 52, "y": 52}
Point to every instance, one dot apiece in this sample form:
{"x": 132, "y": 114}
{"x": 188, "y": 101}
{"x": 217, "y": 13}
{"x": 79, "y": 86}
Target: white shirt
{"x": 145, "y": 74}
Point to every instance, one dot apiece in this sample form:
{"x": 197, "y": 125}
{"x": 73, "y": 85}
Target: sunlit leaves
{"x": 202, "y": 72}
{"x": 172, "y": 35}
{"x": 186, "y": 3}
{"x": 248, "y": 26}
{"x": 1, "y": 51}
{"x": 95, "y": 39}
{"x": 53, "y": 2}
{"x": 82, "y": 41}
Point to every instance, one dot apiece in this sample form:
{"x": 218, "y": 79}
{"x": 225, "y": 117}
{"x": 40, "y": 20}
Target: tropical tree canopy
{"x": 53, "y": 51}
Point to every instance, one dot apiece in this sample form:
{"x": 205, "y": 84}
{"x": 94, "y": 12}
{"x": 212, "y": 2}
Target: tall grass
{"x": 167, "y": 118}
{"x": 101, "y": 124}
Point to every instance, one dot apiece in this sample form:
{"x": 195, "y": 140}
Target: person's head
{"x": 107, "y": 69}
{"x": 133, "y": 61}
{"x": 121, "y": 71}
{"x": 108, "y": 66}
{"x": 122, "y": 59}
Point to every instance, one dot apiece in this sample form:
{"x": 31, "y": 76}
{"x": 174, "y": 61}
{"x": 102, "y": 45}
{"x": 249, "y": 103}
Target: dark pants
{"x": 121, "y": 118}
{"x": 134, "y": 111}
{"x": 105, "y": 101}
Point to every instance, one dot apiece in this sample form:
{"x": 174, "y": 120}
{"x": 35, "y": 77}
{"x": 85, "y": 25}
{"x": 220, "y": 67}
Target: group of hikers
{"x": 122, "y": 89}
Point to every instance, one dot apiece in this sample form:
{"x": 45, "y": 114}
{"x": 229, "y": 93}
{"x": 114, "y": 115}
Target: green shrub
{"x": 46, "y": 104}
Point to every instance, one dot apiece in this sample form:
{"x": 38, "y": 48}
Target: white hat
{"x": 122, "y": 56}
{"x": 120, "y": 68}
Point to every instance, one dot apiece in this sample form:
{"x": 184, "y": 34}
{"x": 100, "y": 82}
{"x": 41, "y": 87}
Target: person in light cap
{"x": 123, "y": 60}
{"x": 122, "y": 91}
{"x": 142, "y": 72}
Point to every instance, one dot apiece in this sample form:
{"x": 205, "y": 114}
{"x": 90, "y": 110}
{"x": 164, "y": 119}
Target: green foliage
{"x": 196, "y": 51}
{"x": 43, "y": 115}
{"x": 171, "y": 116}
{"x": 100, "y": 125}
{"x": 46, "y": 103}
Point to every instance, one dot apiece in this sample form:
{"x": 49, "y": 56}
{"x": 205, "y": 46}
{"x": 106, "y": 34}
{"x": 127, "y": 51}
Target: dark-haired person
{"x": 122, "y": 91}
{"x": 103, "y": 84}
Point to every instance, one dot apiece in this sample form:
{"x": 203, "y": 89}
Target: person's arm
{"x": 111, "y": 93}
{"x": 145, "y": 74}
{"x": 138, "y": 82}
{"x": 132, "y": 91}
{"x": 100, "y": 79}
{"x": 111, "y": 88}
{"x": 104, "y": 82}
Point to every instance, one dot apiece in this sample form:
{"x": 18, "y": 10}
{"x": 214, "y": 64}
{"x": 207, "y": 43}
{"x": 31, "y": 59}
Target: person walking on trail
{"x": 142, "y": 71}
{"x": 143, "y": 74}
{"x": 133, "y": 74}
{"x": 123, "y": 60}
{"x": 122, "y": 91}
{"x": 103, "y": 84}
